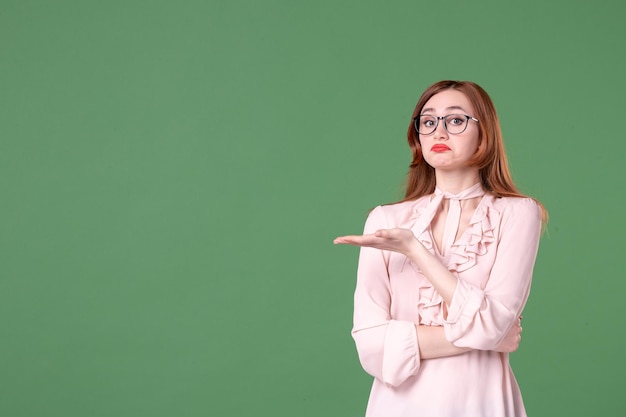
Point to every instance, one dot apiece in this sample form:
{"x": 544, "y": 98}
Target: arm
{"x": 440, "y": 277}
{"x": 388, "y": 349}
{"x": 433, "y": 343}
{"x": 479, "y": 319}
{"x": 482, "y": 318}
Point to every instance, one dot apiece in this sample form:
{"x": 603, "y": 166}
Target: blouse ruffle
{"x": 462, "y": 256}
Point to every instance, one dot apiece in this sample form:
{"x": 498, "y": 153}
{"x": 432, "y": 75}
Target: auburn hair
{"x": 490, "y": 157}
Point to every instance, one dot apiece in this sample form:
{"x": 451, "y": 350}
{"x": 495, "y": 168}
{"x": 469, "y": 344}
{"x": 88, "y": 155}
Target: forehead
{"x": 448, "y": 100}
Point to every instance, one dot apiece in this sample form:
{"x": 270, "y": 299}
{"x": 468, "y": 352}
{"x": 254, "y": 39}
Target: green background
{"x": 172, "y": 175}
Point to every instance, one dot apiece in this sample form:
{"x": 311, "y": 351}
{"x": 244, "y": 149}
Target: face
{"x": 442, "y": 150}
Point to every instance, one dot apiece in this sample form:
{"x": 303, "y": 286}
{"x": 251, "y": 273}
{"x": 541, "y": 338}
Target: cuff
{"x": 465, "y": 304}
{"x": 401, "y": 358}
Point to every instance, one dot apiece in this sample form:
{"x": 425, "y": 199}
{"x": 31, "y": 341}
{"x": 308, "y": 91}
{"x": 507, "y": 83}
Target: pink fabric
{"x": 493, "y": 260}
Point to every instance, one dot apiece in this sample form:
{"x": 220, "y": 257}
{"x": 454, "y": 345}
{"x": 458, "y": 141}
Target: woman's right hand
{"x": 511, "y": 341}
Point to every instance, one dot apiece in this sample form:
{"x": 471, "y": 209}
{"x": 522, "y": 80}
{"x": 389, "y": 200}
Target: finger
{"x": 356, "y": 240}
{"x": 388, "y": 233}
{"x": 345, "y": 240}
{"x": 384, "y": 233}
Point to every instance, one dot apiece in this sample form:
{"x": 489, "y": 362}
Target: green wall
{"x": 172, "y": 175}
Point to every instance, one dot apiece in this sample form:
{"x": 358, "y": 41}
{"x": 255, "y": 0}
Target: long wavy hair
{"x": 490, "y": 157}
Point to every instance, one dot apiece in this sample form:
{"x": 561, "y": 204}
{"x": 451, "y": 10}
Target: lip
{"x": 440, "y": 147}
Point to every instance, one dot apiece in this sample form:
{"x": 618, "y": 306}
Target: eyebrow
{"x": 430, "y": 109}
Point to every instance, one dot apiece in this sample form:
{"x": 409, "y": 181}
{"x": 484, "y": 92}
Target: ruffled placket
{"x": 457, "y": 255}
{"x": 453, "y": 217}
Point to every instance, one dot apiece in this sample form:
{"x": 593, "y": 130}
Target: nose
{"x": 441, "y": 132}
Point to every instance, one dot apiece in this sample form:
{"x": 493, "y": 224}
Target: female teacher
{"x": 444, "y": 274}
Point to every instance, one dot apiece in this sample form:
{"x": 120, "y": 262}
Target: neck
{"x": 456, "y": 181}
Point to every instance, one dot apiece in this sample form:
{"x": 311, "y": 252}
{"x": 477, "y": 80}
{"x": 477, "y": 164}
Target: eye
{"x": 456, "y": 120}
{"x": 427, "y": 121}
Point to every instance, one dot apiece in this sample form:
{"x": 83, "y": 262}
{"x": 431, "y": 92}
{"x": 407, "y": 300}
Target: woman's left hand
{"x": 396, "y": 240}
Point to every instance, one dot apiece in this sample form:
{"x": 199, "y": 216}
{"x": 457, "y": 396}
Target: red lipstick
{"x": 440, "y": 147}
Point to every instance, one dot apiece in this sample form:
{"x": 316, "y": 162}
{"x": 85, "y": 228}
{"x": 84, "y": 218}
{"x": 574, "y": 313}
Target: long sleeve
{"x": 387, "y": 348}
{"x": 480, "y": 318}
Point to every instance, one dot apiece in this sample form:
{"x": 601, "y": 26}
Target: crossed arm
{"x": 475, "y": 318}
{"x": 431, "y": 339}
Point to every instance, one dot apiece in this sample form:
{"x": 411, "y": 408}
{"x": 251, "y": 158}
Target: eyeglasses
{"x": 455, "y": 124}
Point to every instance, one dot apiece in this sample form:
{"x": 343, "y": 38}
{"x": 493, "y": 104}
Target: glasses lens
{"x": 456, "y": 123}
{"x": 426, "y": 125}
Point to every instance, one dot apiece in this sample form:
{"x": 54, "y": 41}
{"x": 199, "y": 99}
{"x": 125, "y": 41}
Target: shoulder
{"x": 397, "y": 214}
{"x": 522, "y": 208}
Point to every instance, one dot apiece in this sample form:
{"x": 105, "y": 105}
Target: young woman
{"x": 443, "y": 275}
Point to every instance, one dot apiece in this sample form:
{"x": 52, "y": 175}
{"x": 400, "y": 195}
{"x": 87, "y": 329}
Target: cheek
{"x": 478, "y": 146}
{"x": 473, "y": 143}
{"x": 424, "y": 141}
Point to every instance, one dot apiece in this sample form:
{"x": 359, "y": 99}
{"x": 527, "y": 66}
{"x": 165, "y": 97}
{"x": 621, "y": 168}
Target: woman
{"x": 444, "y": 274}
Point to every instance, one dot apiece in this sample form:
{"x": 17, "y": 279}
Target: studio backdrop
{"x": 172, "y": 175}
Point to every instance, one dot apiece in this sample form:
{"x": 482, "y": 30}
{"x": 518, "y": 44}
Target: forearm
{"x": 433, "y": 344}
{"x": 439, "y": 276}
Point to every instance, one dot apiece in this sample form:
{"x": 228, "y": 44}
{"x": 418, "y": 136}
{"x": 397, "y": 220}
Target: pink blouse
{"x": 493, "y": 261}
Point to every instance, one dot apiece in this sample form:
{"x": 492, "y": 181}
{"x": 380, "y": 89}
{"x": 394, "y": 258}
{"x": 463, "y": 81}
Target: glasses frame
{"x": 445, "y": 123}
